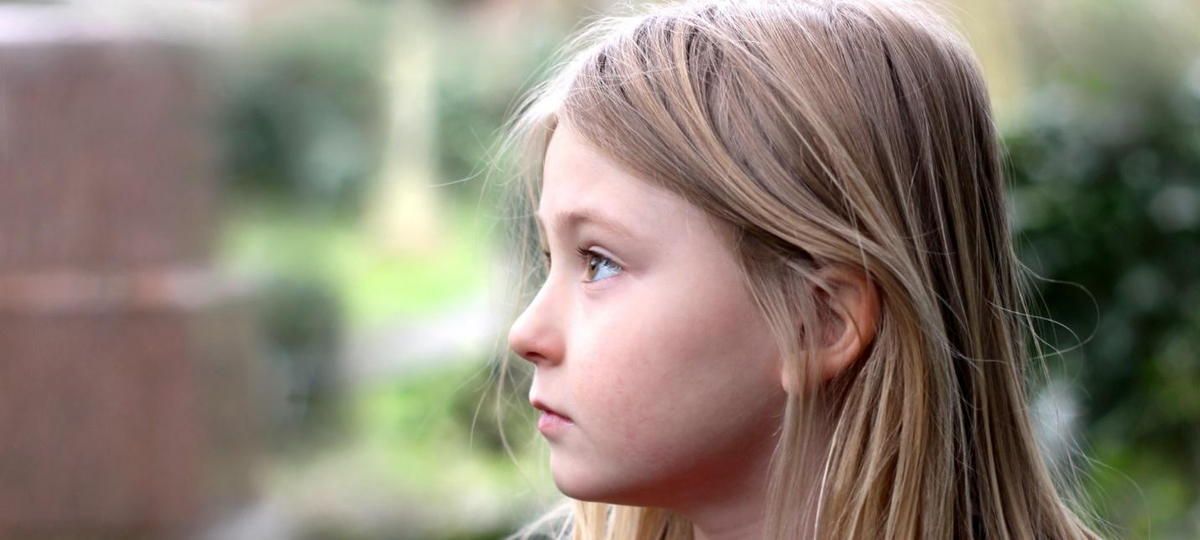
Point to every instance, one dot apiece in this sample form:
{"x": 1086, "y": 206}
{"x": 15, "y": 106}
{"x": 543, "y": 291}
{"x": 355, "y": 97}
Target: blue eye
{"x": 598, "y": 264}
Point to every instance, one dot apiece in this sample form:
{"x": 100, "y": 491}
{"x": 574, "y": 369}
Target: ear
{"x": 852, "y": 318}
{"x": 849, "y": 319}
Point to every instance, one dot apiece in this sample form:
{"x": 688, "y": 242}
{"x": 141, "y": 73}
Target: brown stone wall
{"x": 127, "y": 373}
{"x": 100, "y": 162}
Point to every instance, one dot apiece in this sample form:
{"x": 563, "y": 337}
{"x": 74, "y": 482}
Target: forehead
{"x": 579, "y": 180}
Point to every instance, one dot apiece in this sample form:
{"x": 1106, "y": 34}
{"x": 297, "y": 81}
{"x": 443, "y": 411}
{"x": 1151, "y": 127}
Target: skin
{"x": 653, "y": 347}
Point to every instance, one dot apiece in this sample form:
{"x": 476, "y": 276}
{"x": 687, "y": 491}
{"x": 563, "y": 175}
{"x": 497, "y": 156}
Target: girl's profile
{"x": 778, "y": 293}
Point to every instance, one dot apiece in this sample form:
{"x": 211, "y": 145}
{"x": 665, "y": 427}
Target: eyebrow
{"x": 568, "y": 219}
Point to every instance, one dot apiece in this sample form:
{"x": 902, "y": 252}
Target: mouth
{"x": 539, "y": 405}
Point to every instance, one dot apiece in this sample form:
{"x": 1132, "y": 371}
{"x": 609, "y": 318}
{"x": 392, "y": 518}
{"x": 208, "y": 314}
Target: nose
{"x": 537, "y": 334}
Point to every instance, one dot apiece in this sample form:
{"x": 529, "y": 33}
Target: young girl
{"x": 780, "y": 297}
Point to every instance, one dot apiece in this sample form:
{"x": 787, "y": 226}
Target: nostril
{"x": 523, "y": 348}
{"x": 530, "y": 355}
{"x": 532, "y": 352}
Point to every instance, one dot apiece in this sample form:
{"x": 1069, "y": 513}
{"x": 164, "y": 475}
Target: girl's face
{"x": 644, "y": 335}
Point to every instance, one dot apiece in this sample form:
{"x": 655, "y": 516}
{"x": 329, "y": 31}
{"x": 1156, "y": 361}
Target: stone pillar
{"x": 126, "y": 366}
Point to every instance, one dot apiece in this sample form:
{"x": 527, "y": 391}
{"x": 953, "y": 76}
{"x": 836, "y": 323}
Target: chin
{"x": 581, "y": 486}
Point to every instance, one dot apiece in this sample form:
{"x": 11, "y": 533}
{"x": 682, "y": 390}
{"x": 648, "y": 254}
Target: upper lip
{"x": 541, "y": 406}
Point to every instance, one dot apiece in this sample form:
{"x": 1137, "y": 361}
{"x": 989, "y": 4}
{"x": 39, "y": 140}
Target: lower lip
{"x": 551, "y": 423}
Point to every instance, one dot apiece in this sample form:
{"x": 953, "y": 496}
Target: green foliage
{"x": 371, "y": 285}
{"x": 441, "y": 412}
{"x": 1107, "y": 197}
{"x": 477, "y": 91}
{"x": 305, "y": 102}
{"x": 442, "y": 436}
{"x": 300, "y": 326}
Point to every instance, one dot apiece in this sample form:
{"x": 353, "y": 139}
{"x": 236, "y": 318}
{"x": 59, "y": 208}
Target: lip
{"x": 541, "y": 406}
{"x": 552, "y": 423}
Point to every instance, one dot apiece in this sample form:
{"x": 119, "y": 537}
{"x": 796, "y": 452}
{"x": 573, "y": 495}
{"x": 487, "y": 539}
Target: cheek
{"x": 623, "y": 382}
{"x": 674, "y": 375}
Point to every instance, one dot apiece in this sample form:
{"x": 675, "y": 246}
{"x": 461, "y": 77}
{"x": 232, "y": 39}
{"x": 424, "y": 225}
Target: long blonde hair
{"x": 829, "y": 132}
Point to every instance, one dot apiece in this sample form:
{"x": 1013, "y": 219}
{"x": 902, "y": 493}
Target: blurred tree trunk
{"x": 405, "y": 215}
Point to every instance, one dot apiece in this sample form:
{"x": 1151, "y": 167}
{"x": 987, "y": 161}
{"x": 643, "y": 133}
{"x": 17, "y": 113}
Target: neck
{"x": 733, "y": 501}
{"x": 749, "y": 528}
{"x": 739, "y": 512}
{"x": 737, "y": 516}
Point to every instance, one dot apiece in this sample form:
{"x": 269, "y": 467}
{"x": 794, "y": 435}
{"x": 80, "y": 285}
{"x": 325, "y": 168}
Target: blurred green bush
{"x": 301, "y": 331}
{"x": 303, "y": 121}
{"x": 1106, "y": 206}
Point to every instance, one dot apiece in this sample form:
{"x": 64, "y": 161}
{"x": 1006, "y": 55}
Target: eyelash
{"x": 586, "y": 255}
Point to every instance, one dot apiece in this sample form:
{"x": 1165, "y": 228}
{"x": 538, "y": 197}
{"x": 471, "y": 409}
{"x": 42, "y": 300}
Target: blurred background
{"x": 254, "y": 272}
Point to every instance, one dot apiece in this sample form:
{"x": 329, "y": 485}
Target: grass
{"x": 407, "y": 463}
{"x": 374, "y": 285}
{"x": 410, "y": 441}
